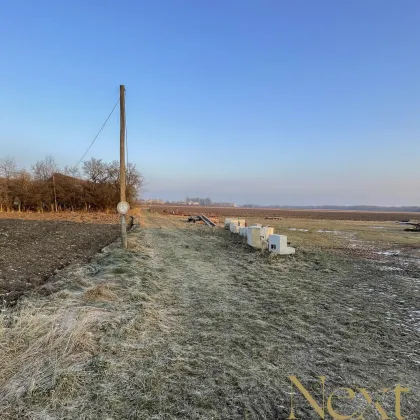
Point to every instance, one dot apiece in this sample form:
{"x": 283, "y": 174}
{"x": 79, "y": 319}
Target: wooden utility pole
{"x": 122, "y": 164}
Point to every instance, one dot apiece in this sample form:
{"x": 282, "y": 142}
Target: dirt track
{"x": 33, "y": 250}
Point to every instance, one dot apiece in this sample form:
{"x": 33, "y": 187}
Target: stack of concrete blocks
{"x": 256, "y": 225}
{"x": 278, "y": 245}
{"x": 254, "y": 237}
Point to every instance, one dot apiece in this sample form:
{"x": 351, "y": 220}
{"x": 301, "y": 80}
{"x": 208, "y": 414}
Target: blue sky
{"x": 287, "y": 102}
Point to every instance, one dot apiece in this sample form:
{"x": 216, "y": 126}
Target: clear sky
{"x": 271, "y": 102}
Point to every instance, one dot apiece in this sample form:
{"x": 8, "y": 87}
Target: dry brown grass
{"x": 41, "y": 344}
{"x": 100, "y": 292}
{"x": 332, "y": 234}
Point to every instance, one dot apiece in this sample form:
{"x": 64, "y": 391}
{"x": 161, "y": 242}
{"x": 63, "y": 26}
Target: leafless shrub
{"x": 46, "y": 189}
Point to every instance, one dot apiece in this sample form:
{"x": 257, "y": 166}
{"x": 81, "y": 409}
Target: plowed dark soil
{"x": 33, "y": 250}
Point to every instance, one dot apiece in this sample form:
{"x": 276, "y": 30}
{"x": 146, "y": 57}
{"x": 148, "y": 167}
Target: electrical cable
{"x": 99, "y": 132}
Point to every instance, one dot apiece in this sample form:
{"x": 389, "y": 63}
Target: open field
{"x": 191, "y": 323}
{"x": 286, "y": 213}
{"x": 34, "y": 246}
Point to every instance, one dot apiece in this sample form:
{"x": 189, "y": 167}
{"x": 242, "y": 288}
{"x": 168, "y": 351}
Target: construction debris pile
{"x": 261, "y": 237}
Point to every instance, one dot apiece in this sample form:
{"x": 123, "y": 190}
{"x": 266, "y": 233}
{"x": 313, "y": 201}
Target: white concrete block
{"x": 278, "y": 245}
{"x": 228, "y": 221}
{"x": 239, "y": 222}
{"x": 243, "y": 231}
{"x": 234, "y": 228}
{"x": 266, "y": 231}
{"x": 254, "y": 237}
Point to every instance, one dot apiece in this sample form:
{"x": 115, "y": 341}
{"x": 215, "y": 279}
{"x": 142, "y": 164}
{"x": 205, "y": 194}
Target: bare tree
{"x": 7, "y": 167}
{"x": 44, "y": 169}
{"x": 113, "y": 169}
{"x": 134, "y": 181}
{"x": 44, "y": 189}
{"x": 21, "y": 190}
{"x": 7, "y": 173}
{"x": 95, "y": 170}
{"x": 73, "y": 171}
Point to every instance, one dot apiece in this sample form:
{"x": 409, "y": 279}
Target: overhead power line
{"x": 99, "y": 132}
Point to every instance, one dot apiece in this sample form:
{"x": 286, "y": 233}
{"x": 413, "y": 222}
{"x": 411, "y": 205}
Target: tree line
{"x": 95, "y": 186}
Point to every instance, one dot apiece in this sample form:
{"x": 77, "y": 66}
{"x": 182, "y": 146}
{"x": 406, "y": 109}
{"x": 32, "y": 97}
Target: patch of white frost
{"x": 388, "y": 253}
{"x": 389, "y": 268}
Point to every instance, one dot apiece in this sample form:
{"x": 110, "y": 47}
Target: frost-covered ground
{"x": 191, "y": 323}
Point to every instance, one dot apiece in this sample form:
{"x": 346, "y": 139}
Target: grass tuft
{"x": 100, "y": 292}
